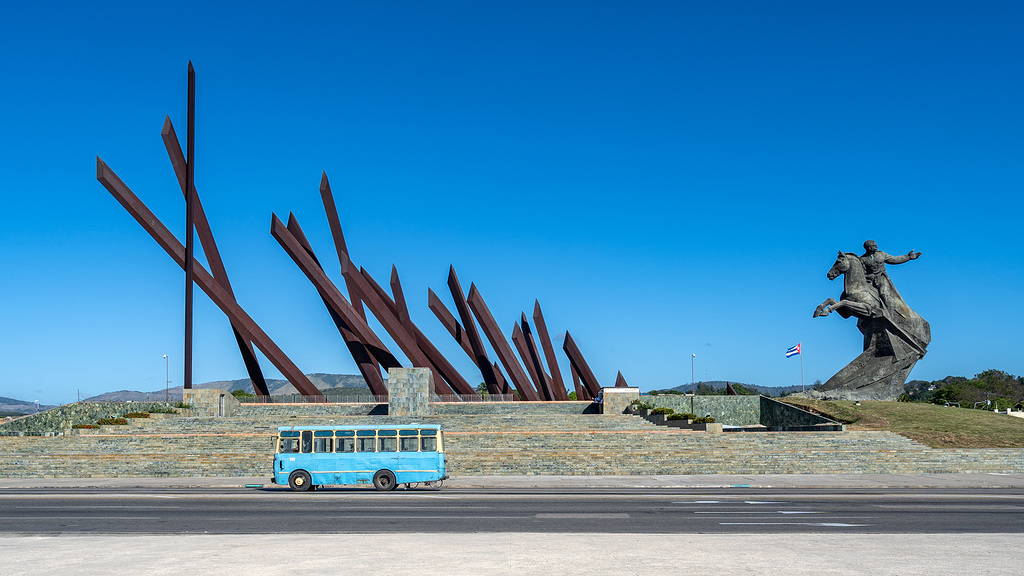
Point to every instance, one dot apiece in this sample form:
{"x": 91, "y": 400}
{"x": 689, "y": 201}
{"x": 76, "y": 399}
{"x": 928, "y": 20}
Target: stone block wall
{"x": 776, "y": 415}
{"x": 733, "y": 410}
{"x": 410, "y": 391}
{"x": 617, "y": 399}
{"x": 210, "y": 402}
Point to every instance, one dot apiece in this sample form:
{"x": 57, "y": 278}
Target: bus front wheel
{"x": 299, "y": 481}
{"x": 384, "y": 480}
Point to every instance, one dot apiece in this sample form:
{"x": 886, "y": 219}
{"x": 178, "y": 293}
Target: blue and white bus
{"x": 385, "y": 455}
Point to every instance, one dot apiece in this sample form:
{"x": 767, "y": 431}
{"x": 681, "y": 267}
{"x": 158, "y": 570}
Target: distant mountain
{"x": 21, "y": 406}
{"x": 766, "y": 390}
{"x": 350, "y": 384}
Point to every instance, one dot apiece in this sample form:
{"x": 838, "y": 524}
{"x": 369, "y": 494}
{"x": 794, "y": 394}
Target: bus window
{"x": 307, "y": 441}
{"x": 428, "y": 444}
{"x": 386, "y": 444}
{"x": 323, "y": 445}
{"x": 409, "y": 444}
{"x": 346, "y": 445}
{"x": 365, "y": 441}
{"x": 288, "y": 445}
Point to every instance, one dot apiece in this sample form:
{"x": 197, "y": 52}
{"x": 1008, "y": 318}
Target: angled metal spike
{"x": 549, "y": 350}
{"x": 556, "y": 392}
{"x": 500, "y": 346}
{"x": 401, "y": 308}
{"x": 239, "y": 318}
{"x": 203, "y": 230}
{"x": 339, "y": 237}
{"x": 189, "y": 211}
{"x": 532, "y": 357}
{"x": 620, "y": 380}
{"x": 502, "y": 383}
{"x": 449, "y": 322}
{"x": 469, "y": 325}
{"x": 520, "y": 343}
{"x": 330, "y": 292}
{"x": 581, "y": 366}
{"x": 581, "y": 391}
{"x": 449, "y": 376}
{"x": 368, "y": 367}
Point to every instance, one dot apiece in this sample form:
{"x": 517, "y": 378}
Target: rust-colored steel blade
{"x": 582, "y": 368}
{"x": 620, "y": 381}
{"x": 550, "y": 391}
{"x": 519, "y": 339}
{"x": 189, "y": 211}
{"x": 327, "y": 289}
{"x": 368, "y": 367}
{"x": 502, "y": 383}
{"x": 339, "y": 237}
{"x": 449, "y": 322}
{"x": 450, "y": 377}
{"x": 457, "y": 332}
{"x": 557, "y": 384}
{"x": 382, "y": 309}
{"x": 205, "y": 233}
{"x": 581, "y": 391}
{"x": 239, "y": 318}
{"x": 469, "y": 325}
{"x": 401, "y": 309}
{"x": 500, "y": 346}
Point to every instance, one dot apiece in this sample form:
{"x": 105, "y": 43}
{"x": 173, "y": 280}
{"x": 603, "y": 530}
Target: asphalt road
{"x": 272, "y": 510}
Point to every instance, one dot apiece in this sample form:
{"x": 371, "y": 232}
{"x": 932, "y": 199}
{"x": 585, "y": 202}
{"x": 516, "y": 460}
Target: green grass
{"x": 929, "y": 424}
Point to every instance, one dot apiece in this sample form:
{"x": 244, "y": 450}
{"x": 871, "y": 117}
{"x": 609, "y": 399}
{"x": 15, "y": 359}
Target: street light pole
{"x": 693, "y": 384}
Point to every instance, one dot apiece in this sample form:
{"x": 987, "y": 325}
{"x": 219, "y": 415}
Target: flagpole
{"x": 802, "y": 369}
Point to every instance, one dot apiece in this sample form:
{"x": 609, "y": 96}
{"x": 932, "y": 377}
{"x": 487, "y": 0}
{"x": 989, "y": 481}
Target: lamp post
{"x": 693, "y": 383}
{"x": 167, "y": 377}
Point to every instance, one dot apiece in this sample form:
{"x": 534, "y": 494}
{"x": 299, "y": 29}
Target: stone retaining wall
{"x": 60, "y": 419}
{"x": 741, "y": 410}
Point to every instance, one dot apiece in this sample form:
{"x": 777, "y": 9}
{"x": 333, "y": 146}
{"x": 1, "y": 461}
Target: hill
{"x": 20, "y": 407}
{"x": 720, "y": 385}
{"x": 351, "y": 384}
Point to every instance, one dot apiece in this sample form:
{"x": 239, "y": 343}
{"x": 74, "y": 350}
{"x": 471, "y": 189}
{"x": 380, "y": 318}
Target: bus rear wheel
{"x": 384, "y": 480}
{"x": 299, "y": 481}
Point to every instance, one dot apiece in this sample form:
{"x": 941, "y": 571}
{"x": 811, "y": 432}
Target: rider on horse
{"x": 874, "y": 261}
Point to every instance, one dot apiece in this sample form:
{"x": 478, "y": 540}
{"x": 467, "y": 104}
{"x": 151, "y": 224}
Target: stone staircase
{"x": 543, "y": 442}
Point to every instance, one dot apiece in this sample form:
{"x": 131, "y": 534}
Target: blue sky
{"x": 666, "y": 178}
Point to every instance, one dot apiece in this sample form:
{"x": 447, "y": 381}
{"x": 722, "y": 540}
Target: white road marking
{"x": 96, "y": 507}
{"x": 582, "y": 515}
{"x": 759, "y": 512}
{"x": 824, "y": 524}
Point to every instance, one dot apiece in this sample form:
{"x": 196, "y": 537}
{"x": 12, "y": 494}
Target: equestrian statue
{"x": 895, "y": 337}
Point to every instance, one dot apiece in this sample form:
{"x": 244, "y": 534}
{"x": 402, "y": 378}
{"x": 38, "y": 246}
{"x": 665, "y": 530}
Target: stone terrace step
{"x": 536, "y": 443}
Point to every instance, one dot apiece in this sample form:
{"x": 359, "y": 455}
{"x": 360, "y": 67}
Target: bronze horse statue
{"x": 859, "y": 298}
{"x": 895, "y": 337}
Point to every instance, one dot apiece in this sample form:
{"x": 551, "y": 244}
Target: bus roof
{"x": 362, "y": 427}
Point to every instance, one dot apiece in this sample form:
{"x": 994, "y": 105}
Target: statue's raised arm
{"x": 890, "y": 259}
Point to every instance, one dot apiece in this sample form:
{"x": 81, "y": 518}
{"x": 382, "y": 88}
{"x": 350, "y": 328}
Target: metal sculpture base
{"x": 879, "y": 373}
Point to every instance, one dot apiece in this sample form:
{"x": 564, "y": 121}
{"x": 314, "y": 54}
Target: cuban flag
{"x": 793, "y": 351}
